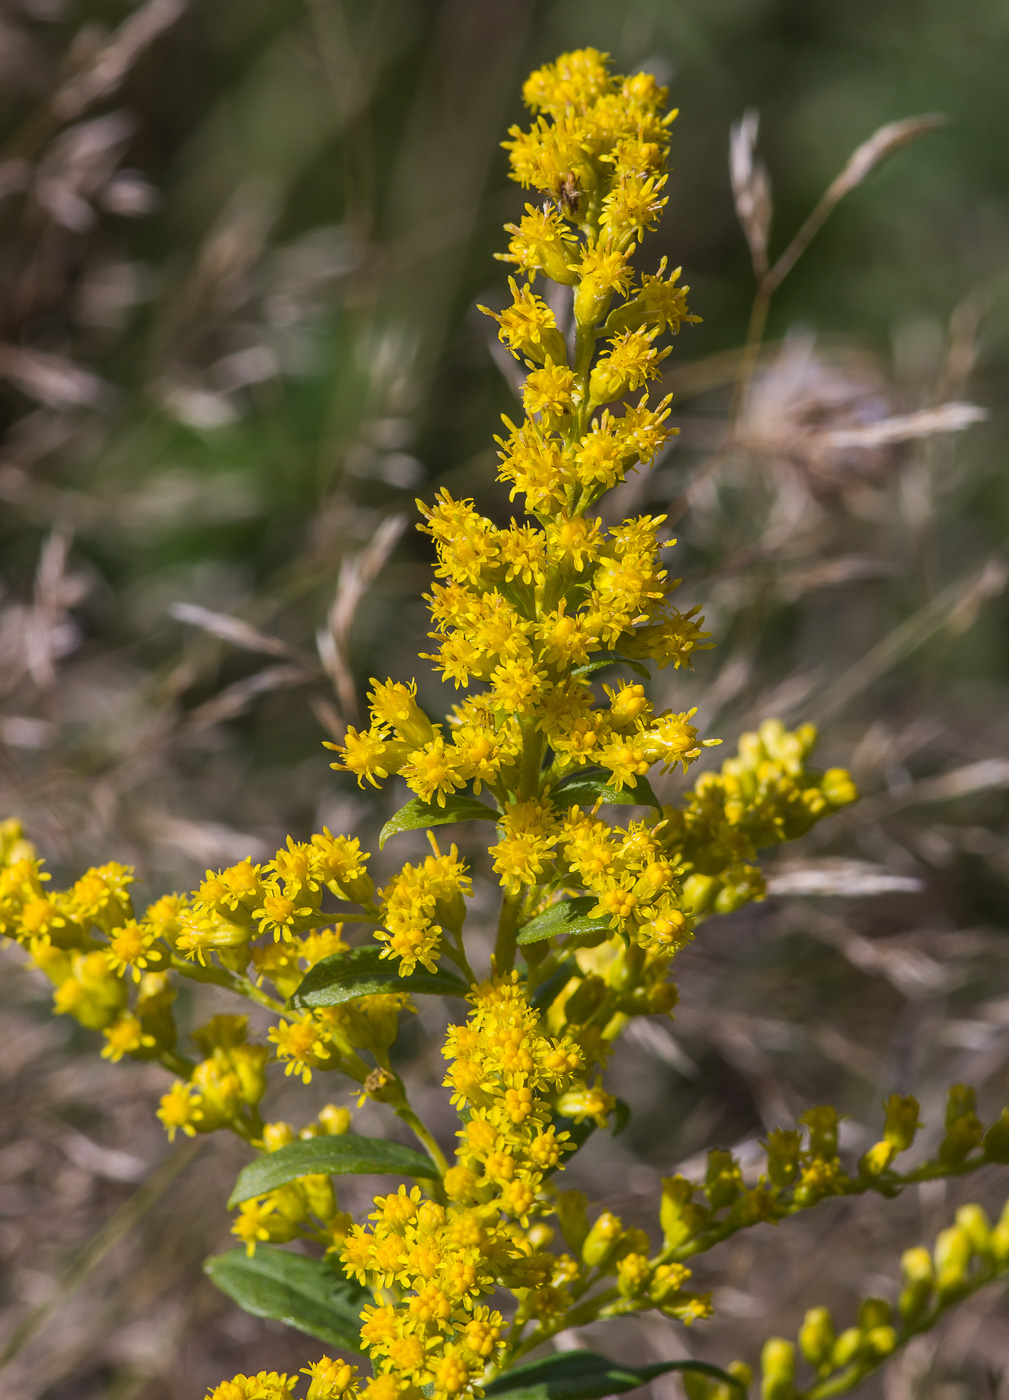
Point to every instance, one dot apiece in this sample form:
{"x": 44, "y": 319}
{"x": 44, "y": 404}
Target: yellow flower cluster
{"x": 446, "y": 1257}
{"x": 418, "y": 905}
{"x": 762, "y": 797}
{"x": 328, "y": 1380}
{"x": 305, "y": 1208}
{"x": 524, "y": 617}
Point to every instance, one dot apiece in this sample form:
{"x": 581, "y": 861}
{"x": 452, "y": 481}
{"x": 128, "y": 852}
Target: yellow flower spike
{"x": 523, "y": 615}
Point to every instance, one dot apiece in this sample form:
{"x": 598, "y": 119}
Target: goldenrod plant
{"x": 451, "y": 1284}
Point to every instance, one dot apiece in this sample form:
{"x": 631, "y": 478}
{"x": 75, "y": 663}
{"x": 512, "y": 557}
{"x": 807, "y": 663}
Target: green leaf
{"x": 585, "y": 1375}
{"x": 344, "y": 1155}
{"x": 364, "y": 972}
{"x": 587, "y": 789}
{"x": 305, "y": 1293}
{"x": 568, "y": 918}
{"x": 612, "y": 658}
{"x": 417, "y": 814}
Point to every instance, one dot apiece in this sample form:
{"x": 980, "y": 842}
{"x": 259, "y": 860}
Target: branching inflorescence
{"x": 457, "y": 1278}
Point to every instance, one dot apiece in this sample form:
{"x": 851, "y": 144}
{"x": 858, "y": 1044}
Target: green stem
{"x": 505, "y": 947}
{"x": 455, "y": 951}
{"x": 221, "y": 977}
{"x": 886, "y": 1185}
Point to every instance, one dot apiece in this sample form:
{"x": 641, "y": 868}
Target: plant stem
{"x": 751, "y": 350}
{"x": 505, "y": 947}
{"x": 221, "y": 977}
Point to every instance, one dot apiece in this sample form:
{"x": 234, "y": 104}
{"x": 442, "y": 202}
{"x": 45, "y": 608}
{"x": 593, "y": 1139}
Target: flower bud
{"x": 662, "y": 997}
{"x": 334, "y": 1121}
{"x": 700, "y": 893}
{"x": 1000, "y": 1238}
{"x": 633, "y": 1275}
{"x": 667, "y": 1279}
{"x": 249, "y": 1065}
{"x": 783, "y": 1148}
{"x": 881, "y": 1341}
{"x": 723, "y": 1179}
{"x": 777, "y": 1361}
{"x": 696, "y": 1386}
{"x": 874, "y": 1312}
{"x": 154, "y": 1011}
{"x": 591, "y": 1102}
{"x": 680, "y": 1219}
{"x": 319, "y": 1195}
{"x": 277, "y": 1135}
{"x": 290, "y": 1201}
{"x": 952, "y": 1256}
{"x": 877, "y": 1159}
{"x": 571, "y": 1209}
{"x": 996, "y": 1139}
{"x": 602, "y": 1240}
{"x": 817, "y": 1336}
{"x": 822, "y": 1123}
{"x": 901, "y": 1121}
{"x": 974, "y": 1220}
{"x": 357, "y": 889}
{"x": 838, "y": 788}
{"x": 847, "y": 1347}
{"x": 963, "y": 1127}
{"x": 919, "y": 1277}
{"x": 742, "y": 1373}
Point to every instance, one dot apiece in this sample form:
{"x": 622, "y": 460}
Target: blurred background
{"x": 241, "y": 246}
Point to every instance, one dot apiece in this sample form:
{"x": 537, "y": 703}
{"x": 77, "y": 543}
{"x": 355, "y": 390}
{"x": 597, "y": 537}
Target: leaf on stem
{"x": 589, "y": 789}
{"x": 364, "y": 972}
{"x": 585, "y": 1375}
{"x": 305, "y": 1293}
{"x": 417, "y": 814}
{"x": 344, "y": 1155}
{"x": 567, "y": 918}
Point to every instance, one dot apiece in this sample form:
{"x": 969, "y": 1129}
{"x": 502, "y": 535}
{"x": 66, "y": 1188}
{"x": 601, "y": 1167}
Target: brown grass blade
{"x": 859, "y": 165}
{"x": 751, "y": 188}
{"x": 233, "y": 630}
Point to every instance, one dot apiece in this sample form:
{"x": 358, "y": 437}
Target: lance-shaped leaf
{"x": 343, "y": 1155}
{"x": 292, "y": 1288}
{"x": 363, "y": 972}
{"x": 416, "y": 815}
{"x": 585, "y": 1375}
{"x": 588, "y": 789}
{"x": 569, "y": 918}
